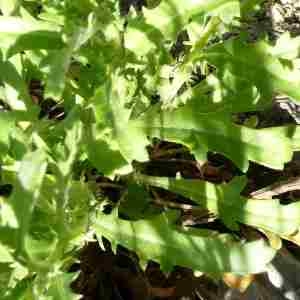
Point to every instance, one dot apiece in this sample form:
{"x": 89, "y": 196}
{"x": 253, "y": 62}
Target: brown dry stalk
{"x": 281, "y": 187}
{"x": 170, "y": 204}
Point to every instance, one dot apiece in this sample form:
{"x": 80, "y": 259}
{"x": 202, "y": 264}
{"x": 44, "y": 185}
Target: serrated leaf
{"x": 170, "y": 16}
{"x": 226, "y": 202}
{"x": 215, "y": 132}
{"x": 111, "y": 136}
{"x": 157, "y": 239}
{"x": 226, "y": 93}
{"x": 255, "y": 63}
{"x": 27, "y": 191}
{"x": 60, "y": 60}
{"x": 271, "y": 147}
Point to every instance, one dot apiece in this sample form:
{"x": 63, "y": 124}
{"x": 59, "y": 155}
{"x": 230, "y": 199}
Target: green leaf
{"x": 27, "y": 191}
{"x": 186, "y": 125}
{"x": 7, "y": 218}
{"x": 60, "y": 60}
{"x": 59, "y": 287}
{"x": 287, "y": 47}
{"x": 170, "y": 16}
{"x": 72, "y": 143}
{"x": 164, "y": 22}
{"x": 136, "y": 203}
{"x": 111, "y": 136}
{"x": 59, "y": 222}
{"x": 8, "y": 6}
{"x": 255, "y": 63}
{"x": 189, "y": 126}
{"x": 296, "y": 139}
{"x": 158, "y": 239}
{"x": 18, "y": 292}
{"x": 248, "y": 6}
{"x": 225, "y": 201}
{"x": 49, "y": 40}
{"x": 270, "y": 147}
{"x": 152, "y": 3}
{"x": 18, "y": 34}
{"x": 58, "y": 66}
{"x": 18, "y": 26}
{"x": 7, "y": 124}
{"x": 104, "y": 156}
{"x": 220, "y": 93}
{"x": 5, "y": 255}
{"x": 16, "y": 92}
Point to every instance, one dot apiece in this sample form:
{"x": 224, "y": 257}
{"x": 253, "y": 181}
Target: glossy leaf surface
{"x": 157, "y": 239}
{"x": 216, "y": 132}
{"x": 257, "y": 64}
{"x": 225, "y": 201}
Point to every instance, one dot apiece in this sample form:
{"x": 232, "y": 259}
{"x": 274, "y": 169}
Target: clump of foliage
{"x": 85, "y": 83}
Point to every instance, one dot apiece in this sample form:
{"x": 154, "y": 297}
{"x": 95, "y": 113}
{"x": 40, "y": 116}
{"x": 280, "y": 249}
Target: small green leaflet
{"x": 225, "y": 201}
{"x": 157, "y": 239}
